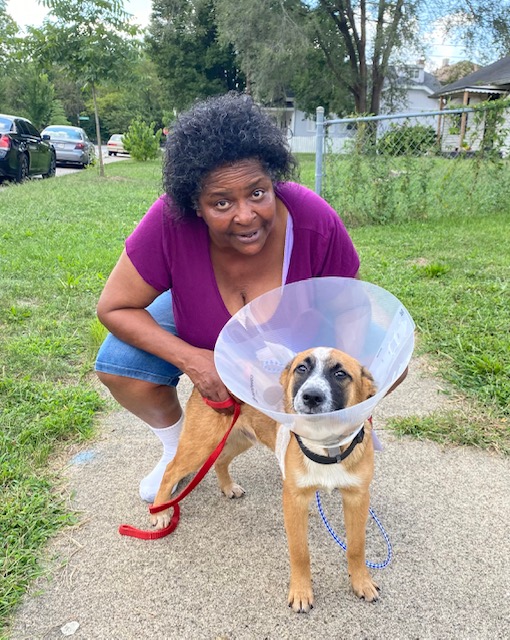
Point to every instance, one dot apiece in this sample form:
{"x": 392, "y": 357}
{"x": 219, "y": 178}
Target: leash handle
{"x": 133, "y": 532}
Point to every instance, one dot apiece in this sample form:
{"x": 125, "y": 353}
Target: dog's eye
{"x": 301, "y": 368}
{"x": 340, "y": 373}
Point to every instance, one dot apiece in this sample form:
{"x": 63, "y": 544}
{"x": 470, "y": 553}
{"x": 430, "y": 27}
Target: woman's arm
{"x": 121, "y": 308}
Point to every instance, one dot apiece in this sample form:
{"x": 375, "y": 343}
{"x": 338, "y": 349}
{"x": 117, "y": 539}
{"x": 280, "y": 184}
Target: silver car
{"x": 71, "y": 144}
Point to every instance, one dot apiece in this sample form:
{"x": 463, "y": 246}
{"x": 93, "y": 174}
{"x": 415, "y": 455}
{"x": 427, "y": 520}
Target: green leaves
{"x": 141, "y": 141}
{"x": 183, "y": 43}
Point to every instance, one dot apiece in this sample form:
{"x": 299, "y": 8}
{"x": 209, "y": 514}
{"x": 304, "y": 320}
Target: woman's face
{"x": 238, "y": 204}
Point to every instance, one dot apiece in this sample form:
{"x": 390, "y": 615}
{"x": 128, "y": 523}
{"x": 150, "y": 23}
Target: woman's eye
{"x": 257, "y": 194}
{"x": 222, "y": 204}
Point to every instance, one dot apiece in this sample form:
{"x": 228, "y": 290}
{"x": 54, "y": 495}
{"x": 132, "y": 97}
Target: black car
{"x": 23, "y": 152}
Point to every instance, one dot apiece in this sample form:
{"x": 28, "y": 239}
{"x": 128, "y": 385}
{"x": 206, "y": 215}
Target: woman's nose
{"x": 244, "y": 213}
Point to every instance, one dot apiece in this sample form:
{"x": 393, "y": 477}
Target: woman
{"x": 228, "y": 229}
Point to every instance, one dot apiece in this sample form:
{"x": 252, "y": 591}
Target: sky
{"x": 29, "y": 12}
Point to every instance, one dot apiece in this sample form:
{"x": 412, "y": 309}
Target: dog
{"x": 316, "y": 381}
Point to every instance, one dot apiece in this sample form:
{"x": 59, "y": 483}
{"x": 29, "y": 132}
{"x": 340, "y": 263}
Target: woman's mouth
{"x": 249, "y": 236}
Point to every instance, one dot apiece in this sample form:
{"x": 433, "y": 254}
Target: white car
{"x": 115, "y": 145}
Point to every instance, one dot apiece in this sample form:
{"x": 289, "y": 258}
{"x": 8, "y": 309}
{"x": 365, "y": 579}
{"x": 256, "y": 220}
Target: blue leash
{"x": 370, "y": 565}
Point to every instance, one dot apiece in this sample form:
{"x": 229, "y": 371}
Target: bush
{"x": 141, "y": 142}
{"x": 408, "y": 140}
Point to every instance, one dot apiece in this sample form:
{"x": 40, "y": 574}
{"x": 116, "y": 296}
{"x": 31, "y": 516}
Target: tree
{"x": 28, "y": 93}
{"x": 356, "y": 42}
{"x": 8, "y": 31}
{"x": 58, "y": 115}
{"x": 141, "y": 141}
{"x": 184, "y": 46}
{"x": 37, "y": 97}
{"x": 369, "y": 33}
{"x": 72, "y": 95}
{"x": 482, "y": 26}
{"x": 259, "y": 43}
{"x": 314, "y": 85}
{"x": 449, "y": 73}
{"x": 92, "y": 40}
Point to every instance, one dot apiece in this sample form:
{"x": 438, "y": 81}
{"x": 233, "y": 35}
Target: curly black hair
{"x": 220, "y": 131}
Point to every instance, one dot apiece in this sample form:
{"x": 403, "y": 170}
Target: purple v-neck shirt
{"x": 175, "y": 255}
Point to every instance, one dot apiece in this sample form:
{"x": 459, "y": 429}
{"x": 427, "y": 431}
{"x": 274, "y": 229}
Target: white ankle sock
{"x": 169, "y": 436}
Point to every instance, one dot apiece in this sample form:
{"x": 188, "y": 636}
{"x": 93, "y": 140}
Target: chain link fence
{"x": 381, "y": 169}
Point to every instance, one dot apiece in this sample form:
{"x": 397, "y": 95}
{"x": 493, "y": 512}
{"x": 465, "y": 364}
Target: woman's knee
{"x": 156, "y": 404}
{"x": 113, "y": 381}
{"x": 130, "y": 386}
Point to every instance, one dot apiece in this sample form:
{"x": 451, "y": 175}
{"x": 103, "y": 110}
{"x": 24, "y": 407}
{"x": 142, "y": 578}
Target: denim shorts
{"x": 122, "y": 359}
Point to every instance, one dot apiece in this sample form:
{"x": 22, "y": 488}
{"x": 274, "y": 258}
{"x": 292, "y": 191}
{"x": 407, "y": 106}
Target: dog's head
{"x": 323, "y": 379}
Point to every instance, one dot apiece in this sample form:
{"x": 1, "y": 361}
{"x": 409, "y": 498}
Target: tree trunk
{"x": 377, "y": 86}
{"x": 98, "y": 132}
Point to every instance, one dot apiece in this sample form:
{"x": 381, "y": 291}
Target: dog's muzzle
{"x": 313, "y": 400}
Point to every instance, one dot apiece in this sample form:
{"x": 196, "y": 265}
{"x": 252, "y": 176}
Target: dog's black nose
{"x": 313, "y": 398}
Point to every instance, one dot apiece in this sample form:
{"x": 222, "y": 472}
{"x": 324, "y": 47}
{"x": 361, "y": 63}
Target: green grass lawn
{"x": 59, "y": 240}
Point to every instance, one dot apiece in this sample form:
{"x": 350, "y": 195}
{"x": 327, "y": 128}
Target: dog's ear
{"x": 368, "y": 388}
{"x": 284, "y": 376}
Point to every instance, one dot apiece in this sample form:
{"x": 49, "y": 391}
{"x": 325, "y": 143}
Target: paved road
{"x": 65, "y": 170}
{"x": 223, "y": 574}
{"x": 62, "y": 171}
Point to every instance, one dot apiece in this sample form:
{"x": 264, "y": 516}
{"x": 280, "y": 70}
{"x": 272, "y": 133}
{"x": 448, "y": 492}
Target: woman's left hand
{"x": 203, "y": 374}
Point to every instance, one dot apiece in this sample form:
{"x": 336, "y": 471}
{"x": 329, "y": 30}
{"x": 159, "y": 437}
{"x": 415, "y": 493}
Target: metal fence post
{"x": 319, "y": 147}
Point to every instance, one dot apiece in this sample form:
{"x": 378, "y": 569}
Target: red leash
{"x": 128, "y": 530}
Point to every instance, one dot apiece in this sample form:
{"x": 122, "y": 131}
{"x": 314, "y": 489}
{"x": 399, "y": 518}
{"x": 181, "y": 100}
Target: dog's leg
{"x": 237, "y": 443}
{"x": 296, "y": 505}
{"x": 356, "y": 503}
{"x": 177, "y": 469}
{"x": 198, "y": 440}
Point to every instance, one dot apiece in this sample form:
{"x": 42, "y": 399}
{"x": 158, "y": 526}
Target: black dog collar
{"x": 332, "y": 459}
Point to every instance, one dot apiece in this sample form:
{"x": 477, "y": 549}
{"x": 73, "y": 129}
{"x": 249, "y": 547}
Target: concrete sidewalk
{"x": 223, "y": 574}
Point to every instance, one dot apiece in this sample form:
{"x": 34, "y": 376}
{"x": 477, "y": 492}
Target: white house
{"x": 301, "y": 128}
{"x": 485, "y": 84}
{"x": 415, "y": 87}
{"x": 409, "y": 91}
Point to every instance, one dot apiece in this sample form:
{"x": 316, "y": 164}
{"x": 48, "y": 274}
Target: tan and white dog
{"x": 316, "y": 381}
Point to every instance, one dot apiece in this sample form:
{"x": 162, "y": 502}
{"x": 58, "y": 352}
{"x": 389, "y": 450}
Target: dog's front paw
{"x": 233, "y": 490}
{"x": 301, "y": 599}
{"x": 161, "y": 520}
{"x": 364, "y": 587}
